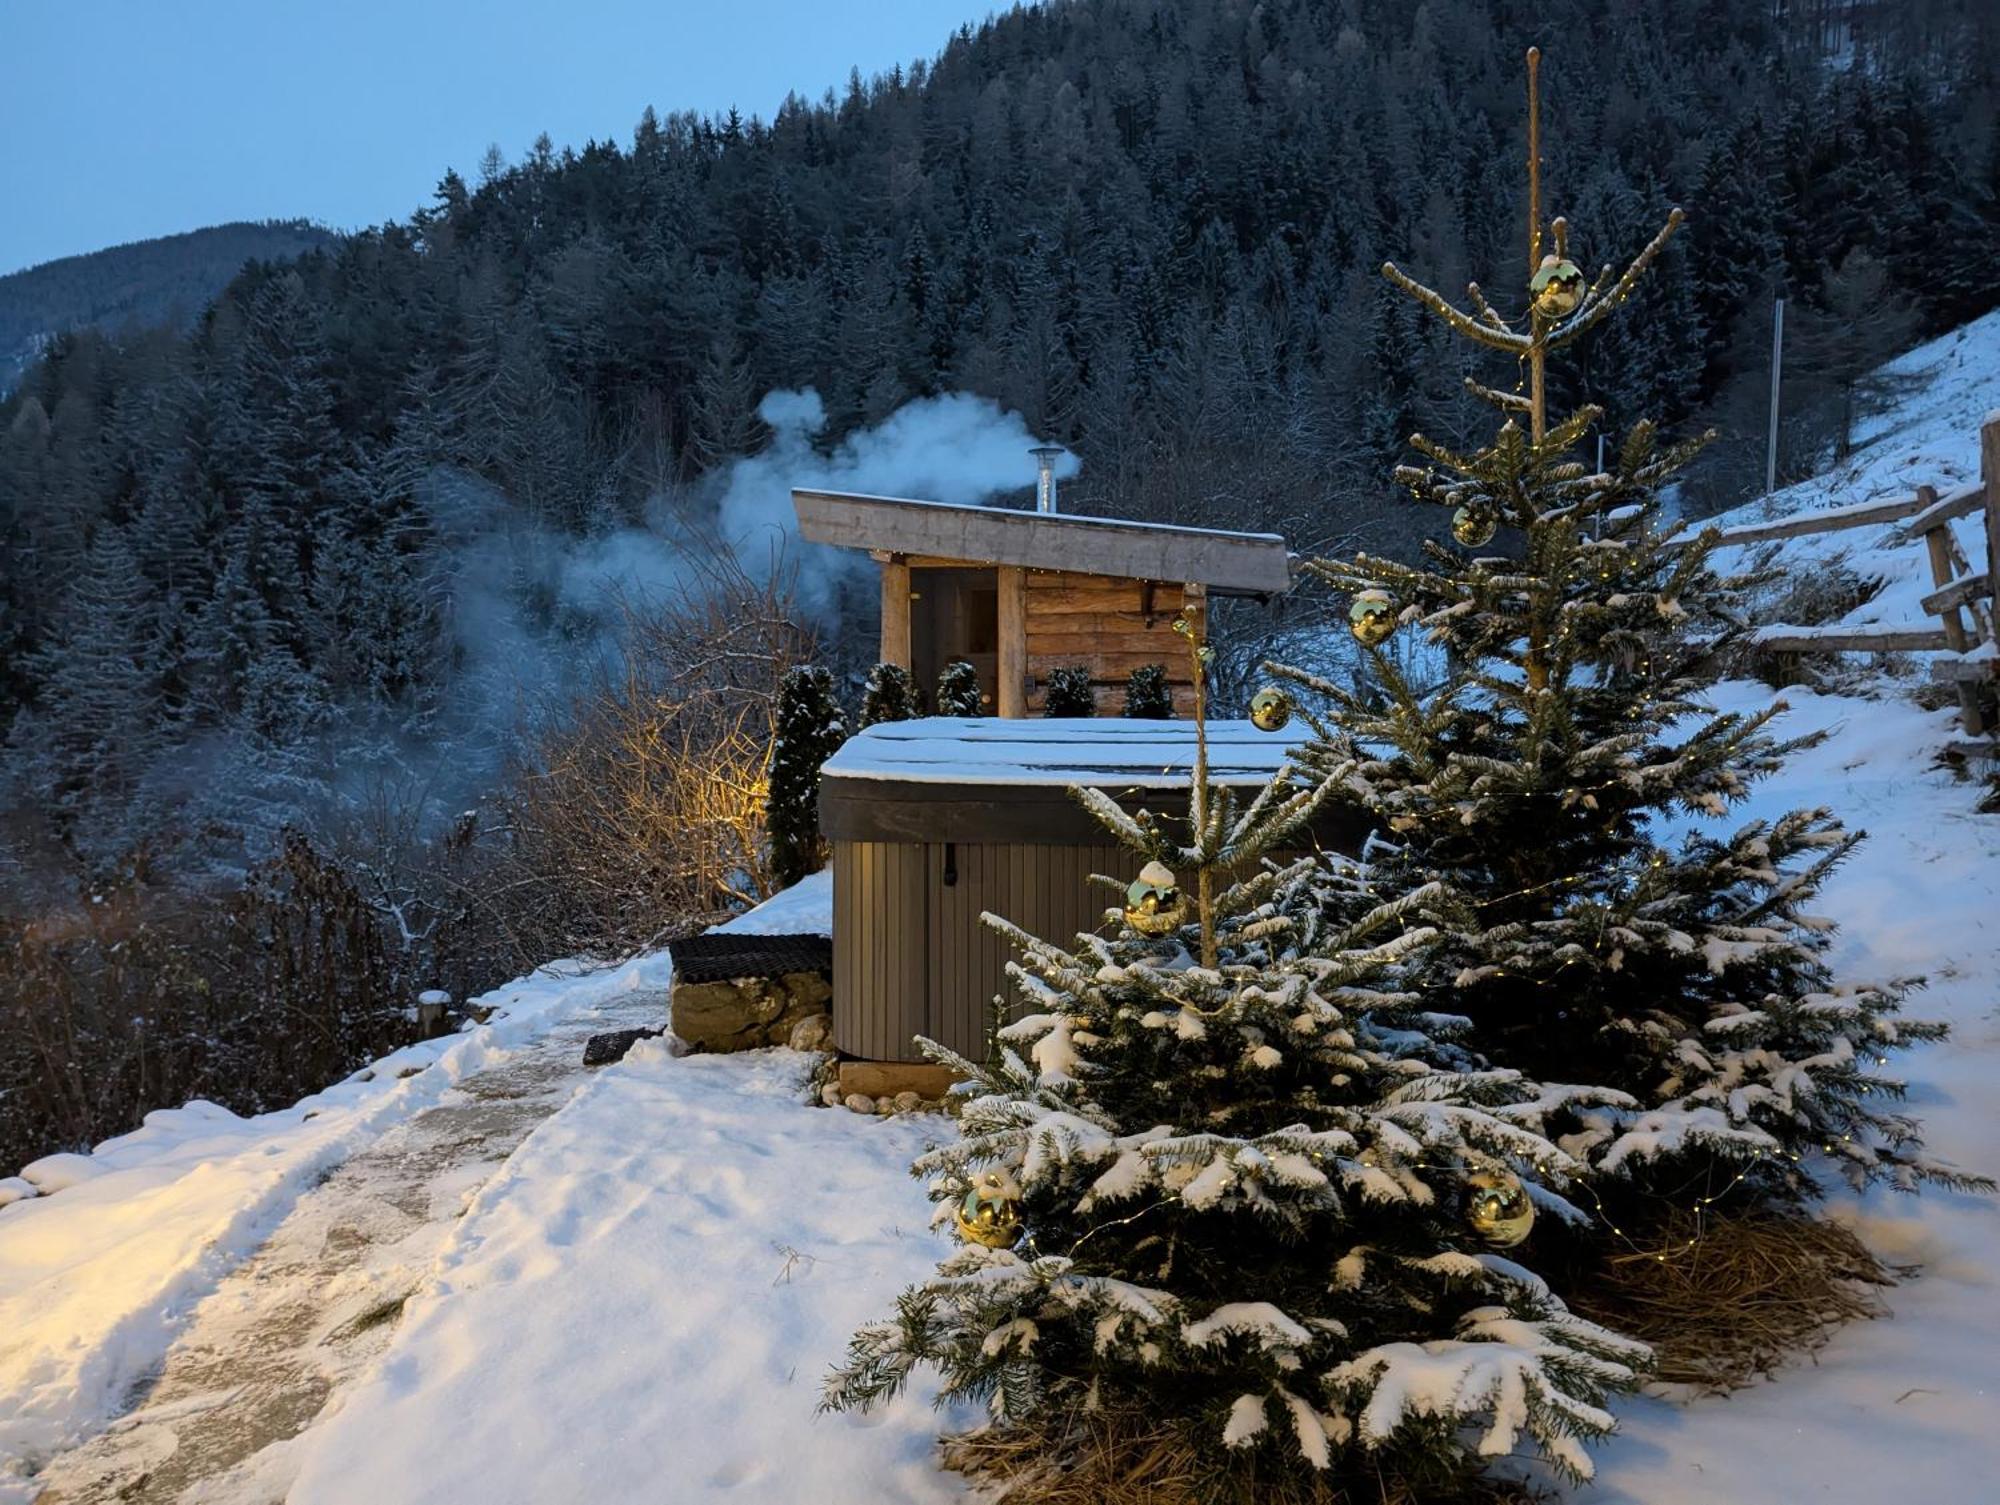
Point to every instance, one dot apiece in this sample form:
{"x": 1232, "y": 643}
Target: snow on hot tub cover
{"x": 1057, "y": 751}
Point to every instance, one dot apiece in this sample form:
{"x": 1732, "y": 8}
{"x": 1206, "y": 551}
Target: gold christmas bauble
{"x": 1498, "y": 1208}
{"x": 1473, "y": 526}
{"x": 1371, "y": 617}
{"x": 1154, "y": 904}
{"x": 1270, "y": 709}
{"x": 990, "y": 1212}
{"x": 1557, "y": 287}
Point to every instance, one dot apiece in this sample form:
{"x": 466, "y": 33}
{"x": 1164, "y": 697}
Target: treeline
{"x": 269, "y": 570}
{"x": 168, "y": 280}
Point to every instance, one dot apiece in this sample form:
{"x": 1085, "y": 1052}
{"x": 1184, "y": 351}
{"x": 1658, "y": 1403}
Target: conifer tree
{"x": 1541, "y": 779}
{"x": 890, "y": 695}
{"x": 1213, "y": 1180}
{"x": 810, "y": 730}
{"x": 958, "y": 689}
{"x": 1147, "y": 696}
{"x": 1069, "y": 692}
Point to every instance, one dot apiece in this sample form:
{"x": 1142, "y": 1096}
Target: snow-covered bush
{"x": 1069, "y": 692}
{"x": 810, "y": 730}
{"x": 1148, "y": 697}
{"x": 958, "y": 689}
{"x": 890, "y": 695}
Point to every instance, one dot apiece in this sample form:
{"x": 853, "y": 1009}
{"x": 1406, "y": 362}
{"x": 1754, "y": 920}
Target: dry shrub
{"x": 643, "y": 815}
{"x": 1756, "y": 1289}
{"x": 1123, "y": 1458}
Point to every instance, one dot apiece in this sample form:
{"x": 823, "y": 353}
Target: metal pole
{"x": 1777, "y": 367}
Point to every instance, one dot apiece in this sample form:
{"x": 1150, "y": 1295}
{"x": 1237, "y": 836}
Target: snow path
{"x": 320, "y": 1298}
{"x": 129, "y": 1289}
{"x": 642, "y": 1305}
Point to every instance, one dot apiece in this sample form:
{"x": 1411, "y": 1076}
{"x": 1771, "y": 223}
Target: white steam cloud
{"x": 953, "y": 448}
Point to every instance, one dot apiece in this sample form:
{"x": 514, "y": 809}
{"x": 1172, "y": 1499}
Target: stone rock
{"x": 812, "y": 1033}
{"x": 830, "y": 1095}
{"x": 908, "y": 1102}
{"x": 602, "y": 1050}
{"x": 860, "y": 1102}
{"x": 742, "y": 1013}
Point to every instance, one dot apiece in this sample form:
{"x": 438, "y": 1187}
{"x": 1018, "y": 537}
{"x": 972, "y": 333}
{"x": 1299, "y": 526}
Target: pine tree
{"x": 1148, "y": 696}
{"x": 1239, "y": 1179}
{"x": 810, "y": 730}
{"x": 958, "y": 689}
{"x": 1069, "y": 692}
{"x": 1539, "y": 780}
{"x": 890, "y": 695}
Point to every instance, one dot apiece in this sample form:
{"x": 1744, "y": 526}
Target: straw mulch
{"x": 1752, "y": 1292}
{"x": 1101, "y": 1458}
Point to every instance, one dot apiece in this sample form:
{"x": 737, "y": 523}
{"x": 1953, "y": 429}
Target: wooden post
{"x": 896, "y": 610}
{"x": 1937, "y": 541}
{"x": 1989, "y": 472}
{"x": 1011, "y": 668}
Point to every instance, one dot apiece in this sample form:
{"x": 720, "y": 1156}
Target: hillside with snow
{"x": 628, "y": 1283}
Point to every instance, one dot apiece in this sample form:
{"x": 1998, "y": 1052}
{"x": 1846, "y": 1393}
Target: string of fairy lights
{"x": 1003, "y": 1227}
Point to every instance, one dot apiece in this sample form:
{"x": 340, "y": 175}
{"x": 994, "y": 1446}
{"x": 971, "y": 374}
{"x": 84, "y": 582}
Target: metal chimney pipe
{"x": 1045, "y": 476}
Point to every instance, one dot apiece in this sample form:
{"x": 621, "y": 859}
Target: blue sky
{"x": 131, "y": 118}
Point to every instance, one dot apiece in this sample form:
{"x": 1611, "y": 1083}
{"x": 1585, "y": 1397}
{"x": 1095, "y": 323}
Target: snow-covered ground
{"x": 1929, "y": 439}
{"x": 640, "y": 1301}
{"x": 99, "y": 1275}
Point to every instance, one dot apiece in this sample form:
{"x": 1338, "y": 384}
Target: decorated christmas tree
{"x": 1217, "y": 1195}
{"x": 1547, "y": 777}
{"x": 810, "y": 730}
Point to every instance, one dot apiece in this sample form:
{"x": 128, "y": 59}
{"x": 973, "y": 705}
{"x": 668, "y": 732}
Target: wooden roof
{"x": 1242, "y": 564}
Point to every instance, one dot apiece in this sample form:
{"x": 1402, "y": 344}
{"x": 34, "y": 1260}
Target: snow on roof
{"x": 1106, "y": 751}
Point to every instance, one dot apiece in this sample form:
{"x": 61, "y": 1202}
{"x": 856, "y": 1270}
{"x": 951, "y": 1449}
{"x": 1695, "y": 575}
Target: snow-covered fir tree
{"x": 1147, "y": 696}
{"x": 810, "y": 730}
{"x": 890, "y": 695}
{"x": 1241, "y": 1178}
{"x": 958, "y": 689}
{"x": 1069, "y": 692}
{"x": 1542, "y": 779}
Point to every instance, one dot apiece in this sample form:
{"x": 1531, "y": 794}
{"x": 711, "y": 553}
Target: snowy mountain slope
{"x": 1930, "y": 438}
{"x": 97, "y": 1278}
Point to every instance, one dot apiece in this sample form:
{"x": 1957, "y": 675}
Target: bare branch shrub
{"x": 642, "y": 814}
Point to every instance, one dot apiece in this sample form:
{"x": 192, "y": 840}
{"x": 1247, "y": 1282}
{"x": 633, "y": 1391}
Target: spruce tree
{"x": 890, "y": 695}
{"x": 958, "y": 689}
{"x": 1236, "y": 1182}
{"x": 1069, "y": 692}
{"x": 1147, "y": 694}
{"x": 810, "y": 730}
{"x": 1541, "y": 781}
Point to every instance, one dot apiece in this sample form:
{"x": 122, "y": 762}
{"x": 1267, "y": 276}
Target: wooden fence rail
{"x": 1962, "y": 591}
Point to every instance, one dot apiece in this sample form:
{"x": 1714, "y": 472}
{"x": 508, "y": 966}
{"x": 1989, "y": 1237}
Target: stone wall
{"x": 742, "y": 1013}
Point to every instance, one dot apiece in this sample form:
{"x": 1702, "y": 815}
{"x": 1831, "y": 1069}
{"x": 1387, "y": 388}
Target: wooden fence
{"x": 1963, "y": 601}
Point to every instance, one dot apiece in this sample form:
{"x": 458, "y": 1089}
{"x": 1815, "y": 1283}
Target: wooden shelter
{"x": 935, "y": 821}
{"x": 1018, "y": 594}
